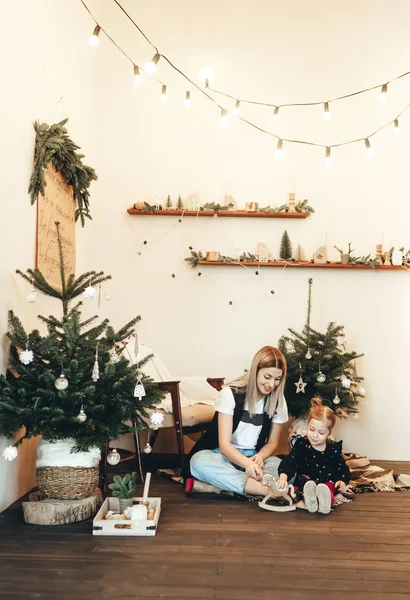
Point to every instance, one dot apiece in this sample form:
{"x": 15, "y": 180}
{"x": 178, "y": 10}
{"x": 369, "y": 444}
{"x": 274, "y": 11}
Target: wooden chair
{"x": 184, "y": 416}
{"x": 184, "y": 421}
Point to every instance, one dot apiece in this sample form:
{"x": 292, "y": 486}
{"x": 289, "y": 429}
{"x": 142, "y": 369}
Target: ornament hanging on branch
{"x": 90, "y": 292}
{"x": 10, "y": 453}
{"x": 336, "y": 399}
{"x": 81, "y": 417}
{"x": 361, "y": 391}
{"x": 156, "y": 420}
{"x": 300, "y": 384}
{"x": 139, "y": 390}
{"x": 96, "y": 370}
{"x": 32, "y": 295}
{"x": 61, "y": 382}
{"x": 346, "y": 383}
{"x": 113, "y": 457}
{"x": 107, "y": 296}
{"x": 26, "y": 357}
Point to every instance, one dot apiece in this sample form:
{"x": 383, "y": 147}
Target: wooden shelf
{"x": 303, "y": 264}
{"x": 221, "y": 213}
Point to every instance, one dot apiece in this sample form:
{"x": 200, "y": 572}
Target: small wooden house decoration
{"x": 320, "y": 255}
{"x": 263, "y": 253}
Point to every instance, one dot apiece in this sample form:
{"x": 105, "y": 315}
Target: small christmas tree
{"x": 73, "y": 382}
{"x": 285, "y": 251}
{"x": 180, "y": 204}
{"x": 318, "y": 364}
{"x": 168, "y": 203}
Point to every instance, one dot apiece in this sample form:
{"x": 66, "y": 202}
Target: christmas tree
{"x": 180, "y": 204}
{"x": 285, "y": 251}
{"x": 318, "y": 364}
{"x": 74, "y": 382}
{"x": 168, "y": 203}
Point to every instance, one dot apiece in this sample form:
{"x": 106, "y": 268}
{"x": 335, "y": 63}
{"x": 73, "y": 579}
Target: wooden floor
{"x": 217, "y": 550}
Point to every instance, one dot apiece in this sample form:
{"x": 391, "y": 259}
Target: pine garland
{"x": 53, "y": 145}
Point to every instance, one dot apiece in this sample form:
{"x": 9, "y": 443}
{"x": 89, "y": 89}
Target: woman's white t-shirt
{"x": 247, "y": 433}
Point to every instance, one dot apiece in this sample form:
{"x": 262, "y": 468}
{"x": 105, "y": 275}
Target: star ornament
{"x": 300, "y": 385}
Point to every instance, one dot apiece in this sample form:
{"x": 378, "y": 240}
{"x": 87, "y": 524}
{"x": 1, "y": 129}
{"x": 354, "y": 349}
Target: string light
{"x": 275, "y": 114}
{"x": 137, "y": 76}
{"x": 237, "y": 108}
{"x": 278, "y": 151}
{"x": 369, "y": 149}
{"x": 94, "y": 40}
{"x": 188, "y": 101}
{"x": 396, "y": 127}
{"x": 383, "y": 93}
{"x": 164, "y": 96}
{"x": 328, "y": 158}
{"x": 151, "y": 66}
{"x": 327, "y": 115}
{"x": 207, "y": 75}
{"x": 224, "y": 119}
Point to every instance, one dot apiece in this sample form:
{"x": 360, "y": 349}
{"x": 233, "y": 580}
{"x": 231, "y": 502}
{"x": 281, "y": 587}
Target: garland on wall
{"x": 54, "y": 145}
{"x": 235, "y": 110}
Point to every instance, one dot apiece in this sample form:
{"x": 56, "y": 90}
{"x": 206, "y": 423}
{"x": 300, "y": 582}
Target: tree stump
{"x": 48, "y": 511}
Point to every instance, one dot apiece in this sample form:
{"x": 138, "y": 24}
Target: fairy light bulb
{"x": 279, "y": 151}
{"x": 369, "y": 149}
{"x": 327, "y": 114}
{"x": 94, "y": 39}
{"x": 188, "y": 101}
{"x": 224, "y": 119}
{"x": 396, "y": 127}
{"x": 383, "y": 94}
{"x": 137, "y": 76}
{"x": 275, "y": 114}
{"x": 151, "y": 66}
{"x": 328, "y": 158}
{"x": 207, "y": 75}
{"x": 237, "y": 108}
{"x": 164, "y": 96}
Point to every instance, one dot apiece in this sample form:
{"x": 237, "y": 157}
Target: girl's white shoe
{"x": 310, "y": 497}
{"x": 324, "y": 499}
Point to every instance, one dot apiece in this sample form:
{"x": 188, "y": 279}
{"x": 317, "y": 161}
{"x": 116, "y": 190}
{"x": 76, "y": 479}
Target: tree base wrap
{"x": 67, "y": 483}
{"x": 61, "y": 512}
{"x": 59, "y": 454}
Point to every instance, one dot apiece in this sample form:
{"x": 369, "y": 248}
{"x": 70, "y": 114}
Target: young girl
{"x": 317, "y": 462}
{"x": 236, "y": 449}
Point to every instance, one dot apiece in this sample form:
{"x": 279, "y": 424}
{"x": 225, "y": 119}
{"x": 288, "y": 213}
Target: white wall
{"x": 279, "y": 52}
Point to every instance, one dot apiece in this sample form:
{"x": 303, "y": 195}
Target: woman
{"x": 236, "y": 450}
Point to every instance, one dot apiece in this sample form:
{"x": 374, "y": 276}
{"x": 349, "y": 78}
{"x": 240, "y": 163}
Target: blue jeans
{"x": 211, "y": 466}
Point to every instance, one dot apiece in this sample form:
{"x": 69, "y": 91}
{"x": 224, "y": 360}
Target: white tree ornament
{"x": 156, "y": 419}
{"x": 10, "y": 453}
{"x": 26, "y": 357}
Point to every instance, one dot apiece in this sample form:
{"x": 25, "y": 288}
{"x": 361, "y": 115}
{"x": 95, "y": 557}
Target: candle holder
{"x": 291, "y": 203}
{"x": 379, "y": 254}
{"x": 387, "y": 256}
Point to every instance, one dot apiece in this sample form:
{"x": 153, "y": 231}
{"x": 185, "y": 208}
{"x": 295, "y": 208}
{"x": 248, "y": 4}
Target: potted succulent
{"x": 124, "y": 488}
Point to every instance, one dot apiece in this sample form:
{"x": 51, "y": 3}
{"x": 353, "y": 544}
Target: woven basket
{"x": 67, "y": 483}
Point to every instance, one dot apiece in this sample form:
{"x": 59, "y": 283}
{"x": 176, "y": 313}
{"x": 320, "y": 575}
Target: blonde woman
{"x": 237, "y": 449}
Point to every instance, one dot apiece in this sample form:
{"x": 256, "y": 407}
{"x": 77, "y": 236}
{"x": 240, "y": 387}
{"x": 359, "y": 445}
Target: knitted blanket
{"x": 366, "y": 477}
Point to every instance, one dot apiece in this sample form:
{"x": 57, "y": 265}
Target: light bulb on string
{"x": 151, "y": 66}
{"x": 396, "y": 127}
{"x": 137, "y": 76}
{"x": 383, "y": 94}
{"x": 279, "y": 151}
{"x": 163, "y": 96}
{"x": 237, "y": 108}
{"x": 207, "y": 75}
{"x": 32, "y": 295}
{"x": 188, "y": 101}
{"x": 328, "y": 158}
{"x": 224, "y": 119}
{"x": 327, "y": 114}
{"x": 369, "y": 149}
{"x": 94, "y": 39}
{"x": 275, "y": 114}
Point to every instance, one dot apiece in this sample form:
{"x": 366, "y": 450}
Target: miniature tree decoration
{"x": 323, "y": 367}
{"x": 60, "y": 385}
{"x": 285, "y": 247}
